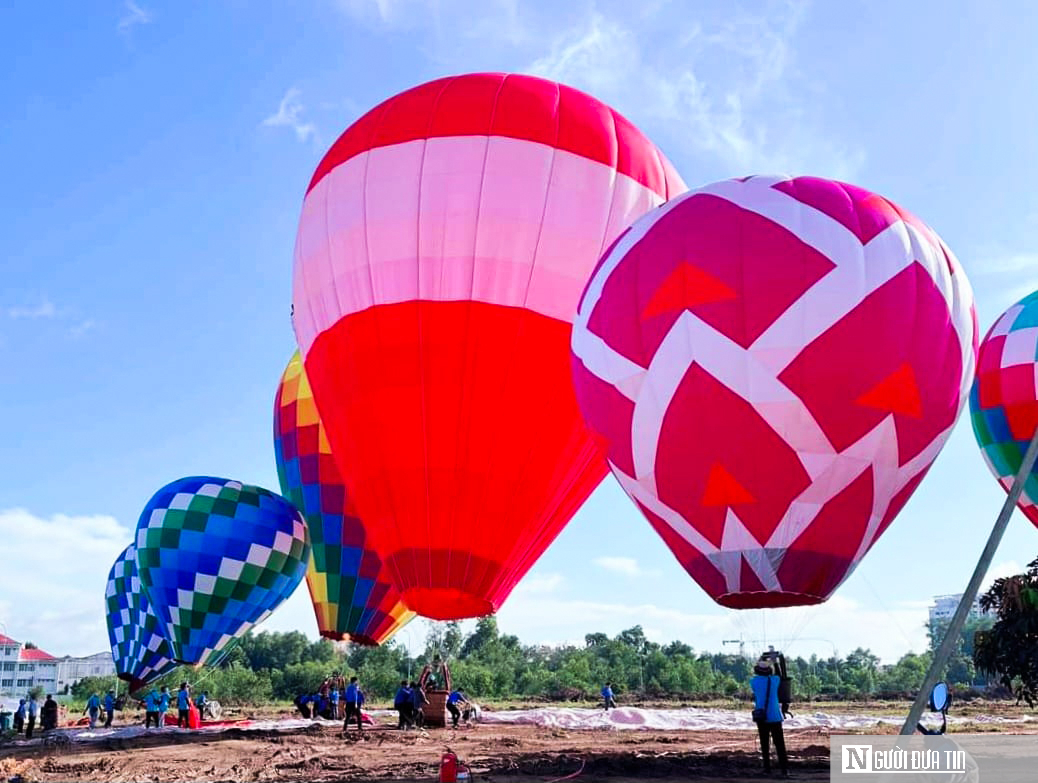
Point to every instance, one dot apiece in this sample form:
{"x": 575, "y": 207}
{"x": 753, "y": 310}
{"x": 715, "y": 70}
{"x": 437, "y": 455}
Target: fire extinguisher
{"x": 448, "y": 768}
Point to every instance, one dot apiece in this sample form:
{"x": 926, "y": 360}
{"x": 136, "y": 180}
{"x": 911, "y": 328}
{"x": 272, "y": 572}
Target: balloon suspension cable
{"x": 958, "y": 621}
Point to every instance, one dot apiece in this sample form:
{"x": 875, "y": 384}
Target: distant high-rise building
{"x": 945, "y": 605}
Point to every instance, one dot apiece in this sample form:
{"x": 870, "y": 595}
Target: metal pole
{"x": 958, "y": 621}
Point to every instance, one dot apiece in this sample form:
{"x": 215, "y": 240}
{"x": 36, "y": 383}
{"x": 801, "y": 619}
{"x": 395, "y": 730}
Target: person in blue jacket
{"x": 109, "y": 707}
{"x": 333, "y": 697}
{"x": 151, "y": 709}
{"x": 403, "y": 703}
{"x": 163, "y": 706}
{"x": 354, "y": 698}
{"x": 765, "y": 687}
{"x": 93, "y": 708}
{"x": 184, "y": 706}
{"x": 456, "y": 697}
{"x": 607, "y": 697}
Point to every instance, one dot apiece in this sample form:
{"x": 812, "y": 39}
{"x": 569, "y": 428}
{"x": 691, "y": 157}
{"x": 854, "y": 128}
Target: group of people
{"x": 157, "y": 703}
{"x": 409, "y": 702}
{"x": 334, "y": 700}
{"x": 29, "y": 710}
{"x": 93, "y": 708}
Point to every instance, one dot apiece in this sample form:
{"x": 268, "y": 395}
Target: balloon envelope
{"x": 216, "y": 557}
{"x": 353, "y": 598}
{"x": 140, "y": 651}
{"x": 1004, "y": 400}
{"x": 442, "y": 246}
{"x": 774, "y": 364}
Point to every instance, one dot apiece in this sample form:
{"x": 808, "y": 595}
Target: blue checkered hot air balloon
{"x": 215, "y": 558}
{"x": 140, "y": 651}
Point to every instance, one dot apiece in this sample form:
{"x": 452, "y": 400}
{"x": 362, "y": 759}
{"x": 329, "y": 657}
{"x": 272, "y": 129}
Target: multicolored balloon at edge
{"x": 140, "y": 651}
{"x": 352, "y": 596}
{"x": 1004, "y": 398}
{"x": 216, "y": 557}
{"x": 774, "y": 364}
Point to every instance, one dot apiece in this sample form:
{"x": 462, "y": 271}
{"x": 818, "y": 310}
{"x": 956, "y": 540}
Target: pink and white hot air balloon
{"x": 774, "y": 364}
{"x": 443, "y": 244}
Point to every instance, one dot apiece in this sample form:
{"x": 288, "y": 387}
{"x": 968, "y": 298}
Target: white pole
{"x": 958, "y": 621}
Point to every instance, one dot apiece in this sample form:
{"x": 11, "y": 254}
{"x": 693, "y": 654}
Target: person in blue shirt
{"x": 765, "y": 687}
{"x": 163, "y": 706}
{"x": 403, "y": 703}
{"x": 93, "y": 708}
{"x": 200, "y": 702}
{"x": 184, "y": 706}
{"x": 456, "y": 697}
{"x": 607, "y": 697}
{"x": 418, "y": 702}
{"x": 151, "y": 709}
{"x": 354, "y": 698}
{"x": 333, "y": 697}
{"x": 109, "y": 707}
{"x": 19, "y": 717}
{"x": 34, "y": 710}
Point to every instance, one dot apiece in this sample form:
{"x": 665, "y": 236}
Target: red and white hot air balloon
{"x": 443, "y": 244}
{"x": 774, "y": 364}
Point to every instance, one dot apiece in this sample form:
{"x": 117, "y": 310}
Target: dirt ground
{"x": 494, "y": 753}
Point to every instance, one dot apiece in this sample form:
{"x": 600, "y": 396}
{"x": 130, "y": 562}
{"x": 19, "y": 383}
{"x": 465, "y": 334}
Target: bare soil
{"x": 498, "y": 753}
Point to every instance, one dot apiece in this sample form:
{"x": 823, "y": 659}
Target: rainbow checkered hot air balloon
{"x": 215, "y": 558}
{"x": 1004, "y": 398}
{"x": 140, "y": 651}
{"x": 353, "y": 598}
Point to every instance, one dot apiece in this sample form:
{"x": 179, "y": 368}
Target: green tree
{"x": 1007, "y": 650}
{"x": 81, "y": 690}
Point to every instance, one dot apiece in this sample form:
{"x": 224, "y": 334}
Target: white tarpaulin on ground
{"x": 693, "y": 718}
{"x": 688, "y": 719}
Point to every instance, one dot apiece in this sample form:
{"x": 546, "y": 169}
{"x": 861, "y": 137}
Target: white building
{"x": 945, "y": 605}
{"x": 72, "y": 670}
{"x": 22, "y": 669}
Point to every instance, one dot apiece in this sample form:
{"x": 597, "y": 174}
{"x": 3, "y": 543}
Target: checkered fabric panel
{"x": 216, "y": 557}
{"x": 352, "y": 596}
{"x": 1004, "y": 397}
{"x": 140, "y": 651}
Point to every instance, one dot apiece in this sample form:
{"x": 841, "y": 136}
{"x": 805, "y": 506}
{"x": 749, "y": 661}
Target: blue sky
{"x": 154, "y": 158}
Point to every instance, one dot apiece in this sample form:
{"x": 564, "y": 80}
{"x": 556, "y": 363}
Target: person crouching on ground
{"x": 354, "y": 698}
{"x": 607, "y": 697}
{"x": 184, "y": 706}
{"x": 765, "y": 686}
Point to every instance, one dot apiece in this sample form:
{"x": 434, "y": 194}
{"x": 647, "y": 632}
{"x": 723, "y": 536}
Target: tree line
{"x": 271, "y": 666}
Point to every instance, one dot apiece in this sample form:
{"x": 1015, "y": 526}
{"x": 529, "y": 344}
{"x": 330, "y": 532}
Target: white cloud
{"x": 45, "y": 309}
{"x": 540, "y": 584}
{"x": 1001, "y": 571}
{"x": 82, "y": 328}
{"x": 1013, "y": 273}
{"x": 747, "y": 113}
{"x": 839, "y": 623}
{"x": 289, "y": 115}
{"x": 57, "y": 567}
{"x": 627, "y": 566}
{"x": 135, "y": 15}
